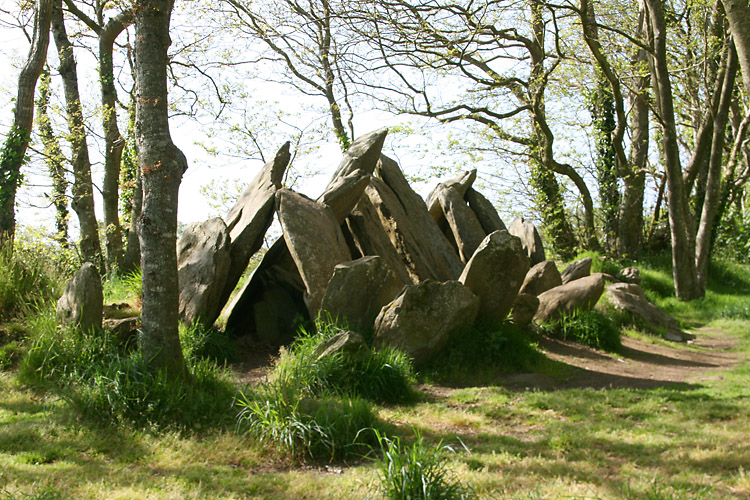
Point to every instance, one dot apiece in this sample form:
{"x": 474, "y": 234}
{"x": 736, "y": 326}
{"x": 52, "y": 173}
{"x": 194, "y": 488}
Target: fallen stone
{"x": 249, "y": 219}
{"x": 530, "y": 239}
{"x": 421, "y": 320}
{"x": 82, "y": 302}
{"x": 125, "y": 331}
{"x": 576, "y": 270}
{"x": 524, "y": 309}
{"x": 580, "y": 294}
{"x": 203, "y": 261}
{"x": 414, "y": 233}
{"x": 630, "y": 275}
{"x": 450, "y": 211}
{"x": 495, "y": 273}
{"x": 348, "y": 344}
{"x": 540, "y": 278}
{"x": 485, "y": 211}
{"x": 359, "y": 289}
{"x": 629, "y": 297}
{"x": 314, "y": 240}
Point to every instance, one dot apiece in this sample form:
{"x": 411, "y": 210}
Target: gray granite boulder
{"x": 577, "y": 269}
{"x": 82, "y": 302}
{"x": 530, "y": 239}
{"x": 347, "y": 343}
{"x": 359, "y": 289}
{"x": 495, "y": 273}
{"x": 630, "y": 275}
{"x": 203, "y": 260}
{"x": 484, "y": 210}
{"x": 524, "y": 309}
{"x": 580, "y": 294}
{"x": 421, "y": 320}
{"x": 315, "y": 242}
{"x": 541, "y": 277}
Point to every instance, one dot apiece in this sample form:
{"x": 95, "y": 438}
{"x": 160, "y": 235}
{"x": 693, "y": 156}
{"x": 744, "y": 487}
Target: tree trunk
{"x": 14, "y": 149}
{"x": 738, "y": 15}
{"x": 683, "y": 242}
{"x": 83, "y": 191}
{"x": 54, "y": 158}
{"x": 712, "y": 197}
{"x": 132, "y": 258}
{"x": 162, "y": 166}
{"x": 113, "y": 141}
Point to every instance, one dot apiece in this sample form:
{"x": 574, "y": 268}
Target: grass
{"x": 677, "y": 441}
{"x": 592, "y": 328}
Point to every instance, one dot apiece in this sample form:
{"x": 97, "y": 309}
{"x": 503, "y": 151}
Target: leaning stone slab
{"x": 450, "y": 211}
{"x": 203, "y": 260}
{"x": 530, "y": 238}
{"x": 349, "y": 344}
{"x": 484, "y": 210}
{"x": 421, "y": 320}
{"x": 359, "y": 289}
{"x": 629, "y": 297}
{"x": 315, "y": 242}
{"x": 495, "y": 273}
{"x": 82, "y": 302}
{"x": 413, "y": 232}
{"x": 581, "y": 294}
{"x": 251, "y": 216}
{"x": 576, "y": 270}
{"x": 541, "y": 277}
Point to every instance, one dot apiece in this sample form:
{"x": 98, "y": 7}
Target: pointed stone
{"x": 315, "y": 241}
{"x": 530, "y": 239}
{"x": 576, "y": 270}
{"x": 251, "y": 216}
{"x": 82, "y": 302}
{"x": 541, "y": 277}
{"x": 203, "y": 259}
{"x": 484, "y": 210}
{"x": 495, "y": 273}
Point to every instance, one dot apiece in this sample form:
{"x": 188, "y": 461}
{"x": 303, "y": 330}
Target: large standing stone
{"x": 203, "y": 264}
{"x": 530, "y": 238}
{"x": 580, "y": 294}
{"x": 251, "y": 216}
{"x": 484, "y": 210}
{"x": 353, "y": 174}
{"x": 359, "y": 289}
{"x": 577, "y": 269}
{"x": 629, "y": 297}
{"x": 315, "y": 242}
{"x": 495, "y": 273}
{"x": 83, "y": 300}
{"x": 541, "y": 277}
{"x": 421, "y": 320}
{"x": 450, "y": 211}
{"x": 413, "y": 232}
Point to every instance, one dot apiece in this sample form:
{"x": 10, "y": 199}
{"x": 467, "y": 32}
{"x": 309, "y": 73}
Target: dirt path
{"x": 639, "y": 364}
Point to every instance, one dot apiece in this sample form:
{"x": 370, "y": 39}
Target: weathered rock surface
{"x": 580, "y": 294}
{"x": 484, "y": 210}
{"x": 203, "y": 261}
{"x": 577, "y": 269}
{"x": 353, "y": 174}
{"x": 452, "y": 214}
{"x": 630, "y": 275}
{"x": 530, "y": 239}
{"x": 495, "y": 273}
{"x": 359, "y": 289}
{"x": 421, "y": 320}
{"x": 629, "y": 297}
{"x": 348, "y": 344}
{"x": 83, "y": 300}
{"x": 412, "y": 230}
{"x": 125, "y": 330}
{"x": 524, "y": 309}
{"x": 251, "y": 216}
{"x": 541, "y": 277}
{"x": 315, "y": 241}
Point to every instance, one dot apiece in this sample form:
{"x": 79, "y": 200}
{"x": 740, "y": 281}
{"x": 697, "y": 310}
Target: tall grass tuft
{"x": 383, "y": 376}
{"x": 200, "y": 342}
{"x": 591, "y": 328}
{"x": 416, "y": 472}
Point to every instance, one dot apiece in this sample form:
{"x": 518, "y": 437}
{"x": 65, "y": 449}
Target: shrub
{"x": 384, "y": 376}
{"x": 591, "y": 328}
{"x": 416, "y": 472}
{"x": 485, "y": 350}
{"x": 324, "y": 428}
